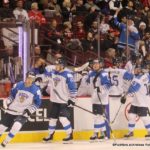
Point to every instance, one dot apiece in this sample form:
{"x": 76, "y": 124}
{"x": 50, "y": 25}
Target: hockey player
{"x": 62, "y": 81}
{"x": 120, "y": 82}
{"x": 139, "y": 92}
{"x": 24, "y": 99}
{"x": 120, "y": 79}
{"x": 135, "y": 59}
{"x": 101, "y": 85}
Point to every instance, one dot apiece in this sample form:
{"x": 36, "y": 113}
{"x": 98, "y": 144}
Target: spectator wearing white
{"x": 142, "y": 28}
{"x": 20, "y": 13}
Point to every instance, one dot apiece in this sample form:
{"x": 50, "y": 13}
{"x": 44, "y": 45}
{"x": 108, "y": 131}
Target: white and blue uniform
{"x": 99, "y": 80}
{"x": 23, "y": 101}
{"x": 64, "y": 84}
{"x": 22, "y": 98}
{"x": 120, "y": 80}
{"x": 103, "y": 83}
{"x": 139, "y": 92}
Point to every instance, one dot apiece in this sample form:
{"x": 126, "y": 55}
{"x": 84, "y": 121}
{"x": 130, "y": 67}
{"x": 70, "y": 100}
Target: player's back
{"x": 116, "y": 77}
{"x": 139, "y": 89}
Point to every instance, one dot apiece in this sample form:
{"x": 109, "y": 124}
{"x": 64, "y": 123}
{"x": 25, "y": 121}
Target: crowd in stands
{"x": 112, "y": 27}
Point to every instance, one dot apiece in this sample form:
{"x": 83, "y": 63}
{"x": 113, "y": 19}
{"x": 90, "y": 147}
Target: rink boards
{"x": 82, "y": 122}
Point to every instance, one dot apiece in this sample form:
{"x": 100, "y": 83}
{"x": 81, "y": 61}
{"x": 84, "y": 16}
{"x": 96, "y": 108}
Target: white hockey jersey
{"x": 120, "y": 81}
{"x": 139, "y": 90}
{"x": 101, "y": 81}
{"x": 24, "y": 97}
{"x": 64, "y": 84}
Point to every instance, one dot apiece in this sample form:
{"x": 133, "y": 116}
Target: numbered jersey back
{"x": 116, "y": 77}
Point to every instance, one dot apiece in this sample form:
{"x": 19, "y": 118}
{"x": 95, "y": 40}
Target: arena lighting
{"x": 20, "y": 47}
{"x": 25, "y": 51}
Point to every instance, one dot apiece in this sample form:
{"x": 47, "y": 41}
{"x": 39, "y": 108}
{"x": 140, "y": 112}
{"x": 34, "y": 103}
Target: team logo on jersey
{"x": 22, "y": 97}
{"x": 127, "y": 108}
{"x": 56, "y": 81}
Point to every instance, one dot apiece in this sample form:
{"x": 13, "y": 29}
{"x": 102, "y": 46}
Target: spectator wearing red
{"x": 109, "y": 56}
{"x": 146, "y": 3}
{"x": 80, "y": 32}
{"x": 36, "y": 15}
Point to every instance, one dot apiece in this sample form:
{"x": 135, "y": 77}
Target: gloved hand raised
{"x": 70, "y": 102}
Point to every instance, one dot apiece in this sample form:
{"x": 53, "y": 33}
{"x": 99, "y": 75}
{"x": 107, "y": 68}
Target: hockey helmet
{"x": 31, "y": 74}
{"x": 98, "y": 60}
{"x": 117, "y": 60}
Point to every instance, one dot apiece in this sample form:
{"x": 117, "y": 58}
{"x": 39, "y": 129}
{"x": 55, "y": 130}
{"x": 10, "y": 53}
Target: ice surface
{"x": 120, "y": 144}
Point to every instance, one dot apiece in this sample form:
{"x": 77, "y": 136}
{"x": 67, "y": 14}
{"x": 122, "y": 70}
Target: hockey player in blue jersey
{"x": 101, "y": 84}
{"x": 24, "y": 100}
{"x": 62, "y": 81}
{"x": 139, "y": 92}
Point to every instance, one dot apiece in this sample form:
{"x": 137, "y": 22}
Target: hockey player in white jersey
{"x": 24, "y": 100}
{"x": 100, "y": 81}
{"x": 62, "y": 81}
{"x": 139, "y": 92}
{"x": 120, "y": 79}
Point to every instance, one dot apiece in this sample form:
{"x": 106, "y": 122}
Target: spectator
{"x": 80, "y": 32}
{"x": 109, "y": 41}
{"x": 142, "y": 48}
{"x": 127, "y": 11}
{"x": 145, "y": 16}
{"x": 114, "y": 5}
{"x": 94, "y": 28}
{"x": 87, "y": 43}
{"x": 131, "y": 34}
{"x": 53, "y": 34}
{"x": 66, "y": 11}
{"x": 89, "y": 4}
{"x": 52, "y": 5}
{"x": 67, "y": 32}
{"x": 79, "y": 8}
{"x": 146, "y": 38}
{"x": 35, "y": 15}
{"x": 5, "y": 11}
{"x": 20, "y": 13}
{"x": 109, "y": 56}
{"x": 142, "y": 27}
{"x": 146, "y": 3}
{"x": 91, "y": 16}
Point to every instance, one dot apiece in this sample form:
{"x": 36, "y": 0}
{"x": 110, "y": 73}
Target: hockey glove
{"x": 26, "y": 113}
{"x": 38, "y": 80}
{"x": 70, "y": 102}
{"x": 123, "y": 99}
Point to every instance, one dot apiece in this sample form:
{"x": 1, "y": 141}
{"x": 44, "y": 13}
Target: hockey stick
{"x": 116, "y": 114}
{"x": 74, "y": 104}
{"x": 104, "y": 115}
{"x": 20, "y": 113}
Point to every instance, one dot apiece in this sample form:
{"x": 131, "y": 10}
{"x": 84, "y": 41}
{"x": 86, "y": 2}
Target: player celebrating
{"x": 62, "y": 81}
{"x": 23, "y": 101}
{"x": 101, "y": 84}
{"x": 139, "y": 92}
